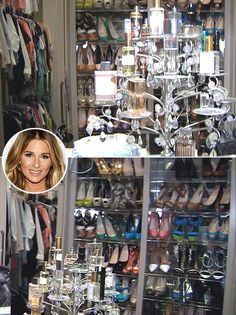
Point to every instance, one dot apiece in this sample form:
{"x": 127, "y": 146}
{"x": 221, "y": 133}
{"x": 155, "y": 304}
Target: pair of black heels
{"x": 185, "y": 168}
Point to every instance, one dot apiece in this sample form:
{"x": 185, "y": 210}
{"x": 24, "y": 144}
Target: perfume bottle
{"x": 51, "y": 256}
{"x": 58, "y": 249}
{"x": 136, "y": 18}
{"x": 43, "y": 278}
{"x": 32, "y": 286}
{"x": 128, "y": 52}
{"x": 156, "y": 19}
{"x": 93, "y": 288}
{"x": 35, "y": 310}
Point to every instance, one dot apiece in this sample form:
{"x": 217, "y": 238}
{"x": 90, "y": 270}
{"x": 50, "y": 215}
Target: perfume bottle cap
{"x": 35, "y": 280}
{"x": 58, "y": 242}
{"x": 94, "y": 276}
{"x": 59, "y": 265}
{"x": 157, "y": 3}
{"x": 105, "y": 66}
{"x": 44, "y": 266}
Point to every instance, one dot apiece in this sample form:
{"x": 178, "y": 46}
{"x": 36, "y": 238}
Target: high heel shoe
{"x": 154, "y": 261}
{"x": 106, "y": 194}
{"x": 177, "y": 291}
{"x": 97, "y": 196}
{"x": 124, "y": 254}
{"x": 111, "y": 234}
{"x": 224, "y": 231}
{"x": 162, "y": 199}
{"x": 114, "y": 255}
{"x": 164, "y": 226}
{"x": 178, "y": 233}
{"x": 130, "y": 228}
{"x": 100, "y": 231}
{"x": 102, "y": 166}
{"x": 165, "y": 260}
{"x": 153, "y": 226}
{"x": 172, "y": 201}
{"x": 130, "y": 264}
{"x": 210, "y": 202}
{"x": 136, "y": 266}
{"x": 149, "y": 288}
{"x": 88, "y": 201}
{"x": 102, "y": 32}
{"x": 80, "y": 195}
{"x": 196, "y": 199}
{"x": 225, "y": 200}
{"x": 183, "y": 201}
{"x": 160, "y": 286}
{"x": 213, "y": 229}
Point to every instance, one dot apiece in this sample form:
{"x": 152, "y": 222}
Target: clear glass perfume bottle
{"x": 156, "y": 20}
{"x": 43, "y": 278}
{"x": 58, "y": 249}
{"x": 128, "y": 52}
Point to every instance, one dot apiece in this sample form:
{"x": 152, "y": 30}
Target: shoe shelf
{"x": 118, "y": 177}
{"x": 186, "y": 241}
{"x": 113, "y": 11}
{"x": 172, "y": 180}
{"x": 186, "y": 213}
{"x": 126, "y": 275}
{"x": 170, "y": 300}
{"x": 172, "y": 275}
{"x": 101, "y": 43}
{"x": 120, "y": 242}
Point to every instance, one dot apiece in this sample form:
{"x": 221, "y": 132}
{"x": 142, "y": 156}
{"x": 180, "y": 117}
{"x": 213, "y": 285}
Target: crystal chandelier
{"x": 170, "y": 60}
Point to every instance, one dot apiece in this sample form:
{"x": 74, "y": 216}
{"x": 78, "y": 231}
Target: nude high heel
{"x": 196, "y": 199}
{"x": 183, "y": 201}
{"x": 102, "y": 166}
{"x": 225, "y": 200}
{"x": 209, "y": 203}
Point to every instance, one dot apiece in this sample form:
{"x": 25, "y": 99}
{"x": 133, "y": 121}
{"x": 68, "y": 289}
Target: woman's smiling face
{"x": 35, "y": 165}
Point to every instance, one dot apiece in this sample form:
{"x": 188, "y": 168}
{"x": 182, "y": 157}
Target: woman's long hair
{"x": 12, "y": 166}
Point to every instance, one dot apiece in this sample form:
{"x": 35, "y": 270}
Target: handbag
{"x": 226, "y": 148}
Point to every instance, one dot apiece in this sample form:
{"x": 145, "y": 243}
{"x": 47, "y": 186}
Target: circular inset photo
{"x": 34, "y": 160}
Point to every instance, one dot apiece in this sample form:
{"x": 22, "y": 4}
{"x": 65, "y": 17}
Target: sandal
{"x": 220, "y": 262}
{"x": 207, "y": 264}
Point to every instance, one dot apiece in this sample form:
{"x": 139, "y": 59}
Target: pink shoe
{"x": 153, "y": 226}
{"x": 165, "y": 226}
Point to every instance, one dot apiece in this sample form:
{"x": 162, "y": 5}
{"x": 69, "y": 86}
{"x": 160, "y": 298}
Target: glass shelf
{"x": 121, "y": 242}
{"x": 170, "y": 300}
{"x": 186, "y": 241}
{"x": 213, "y": 180}
{"x": 109, "y": 210}
{"x": 114, "y": 11}
{"x": 186, "y": 213}
{"x": 110, "y": 176}
{"x": 125, "y": 275}
{"x": 184, "y": 276}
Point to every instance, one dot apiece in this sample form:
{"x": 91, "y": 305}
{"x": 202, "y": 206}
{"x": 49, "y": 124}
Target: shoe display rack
{"x": 187, "y": 232}
{"x": 100, "y": 37}
{"x": 108, "y": 210}
{"x": 167, "y": 230}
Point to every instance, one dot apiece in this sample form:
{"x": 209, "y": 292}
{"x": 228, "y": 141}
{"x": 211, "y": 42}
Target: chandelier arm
{"x": 154, "y": 98}
{"x": 114, "y": 118}
{"x": 58, "y": 307}
{"x": 154, "y": 57}
{"x": 152, "y": 130}
{"x": 180, "y": 97}
{"x": 177, "y": 97}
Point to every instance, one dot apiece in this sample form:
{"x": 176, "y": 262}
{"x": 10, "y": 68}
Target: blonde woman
{"x": 35, "y": 161}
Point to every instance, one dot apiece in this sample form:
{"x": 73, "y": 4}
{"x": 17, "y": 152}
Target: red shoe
{"x": 153, "y": 226}
{"x": 165, "y": 226}
{"x": 130, "y": 264}
{"x": 136, "y": 267}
